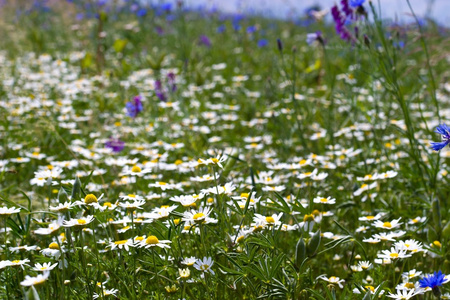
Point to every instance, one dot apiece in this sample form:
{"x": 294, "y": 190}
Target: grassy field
{"x": 166, "y": 153}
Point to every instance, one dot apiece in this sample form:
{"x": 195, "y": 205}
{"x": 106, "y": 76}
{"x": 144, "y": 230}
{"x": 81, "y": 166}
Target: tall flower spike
{"x": 443, "y": 130}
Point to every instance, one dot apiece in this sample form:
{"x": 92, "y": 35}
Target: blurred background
{"x": 393, "y": 9}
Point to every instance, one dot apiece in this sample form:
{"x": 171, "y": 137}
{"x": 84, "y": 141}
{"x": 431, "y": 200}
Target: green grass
{"x": 257, "y": 121}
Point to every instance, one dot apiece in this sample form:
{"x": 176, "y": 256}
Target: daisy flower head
{"x": 365, "y": 187}
{"x": 444, "y": 131}
{"x": 387, "y": 225}
{"x": 411, "y": 274}
{"x": 153, "y": 241}
{"x": 273, "y": 220}
{"x": 189, "y": 261}
{"x": 132, "y": 205}
{"x": 204, "y": 265}
{"x": 5, "y": 212}
{"x": 212, "y": 161}
{"x": 184, "y": 273}
{"x": 44, "y": 267}
{"x": 122, "y": 244}
{"x": 324, "y": 200}
{"x": 14, "y": 263}
{"x": 110, "y": 292}
{"x": 333, "y": 280}
{"x": 134, "y": 171}
{"x": 200, "y": 216}
{"x": 404, "y": 294}
{"x": 393, "y": 254}
{"x": 32, "y": 281}
{"x": 78, "y": 222}
{"x": 63, "y": 207}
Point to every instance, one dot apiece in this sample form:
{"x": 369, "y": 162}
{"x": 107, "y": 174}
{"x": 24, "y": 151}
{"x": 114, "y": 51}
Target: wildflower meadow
{"x": 153, "y": 150}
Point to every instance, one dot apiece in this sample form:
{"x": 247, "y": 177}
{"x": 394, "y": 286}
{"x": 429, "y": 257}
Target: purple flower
{"x": 159, "y": 91}
{"x": 204, "y": 40}
{"x": 443, "y": 130}
{"x": 116, "y": 145}
{"x": 339, "y": 21}
{"x": 134, "y": 107}
{"x": 346, "y": 9}
{"x": 171, "y": 81}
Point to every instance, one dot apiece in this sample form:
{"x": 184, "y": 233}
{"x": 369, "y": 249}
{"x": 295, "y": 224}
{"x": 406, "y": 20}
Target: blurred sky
{"x": 440, "y": 10}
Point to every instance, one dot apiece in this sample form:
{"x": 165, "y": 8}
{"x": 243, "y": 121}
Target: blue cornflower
{"x": 443, "y": 130}
{"x": 263, "y": 43}
{"x": 433, "y": 280}
{"x": 356, "y": 3}
{"x": 134, "y": 107}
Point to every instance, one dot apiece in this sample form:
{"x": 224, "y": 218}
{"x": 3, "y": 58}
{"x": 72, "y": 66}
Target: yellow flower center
{"x": 81, "y": 221}
{"x": 120, "y": 242}
{"x": 90, "y": 198}
{"x": 437, "y": 244}
{"x": 152, "y": 240}
{"x": 162, "y": 183}
{"x": 43, "y": 268}
{"x": 387, "y": 224}
{"x": 316, "y": 213}
{"x": 139, "y": 238}
{"x": 178, "y": 162}
{"x": 409, "y": 285}
{"x": 176, "y": 221}
{"x": 371, "y": 288}
{"x": 308, "y": 218}
{"x": 132, "y": 195}
{"x": 323, "y": 200}
{"x": 16, "y": 261}
{"x": 370, "y": 217}
{"x": 53, "y": 245}
{"x": 302, "y": 162}
{"x": 393, "y": 255}
{"x": 198, "y": 216}
{"x": 214, "y": 160}
{"x": 332, "y": 278}
{"x": 108, "y": 204}
{"x": 136, "y": 169}
{"x": 270, "y": 220}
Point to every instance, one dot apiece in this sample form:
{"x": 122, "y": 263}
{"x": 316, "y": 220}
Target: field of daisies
{"x": 164, "y": 152}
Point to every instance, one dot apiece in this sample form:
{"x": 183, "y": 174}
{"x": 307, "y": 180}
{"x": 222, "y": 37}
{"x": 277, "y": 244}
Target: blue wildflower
{"x": 251, "y": 29}
{"x": 263, "y": 43}
{"x": 434, "y": 281}
{"x": 221, "y": 28}
{"x": 134, "y": 107}
{"x": 443, "y": 130}
{"x": 356, "y": 3}
{"x": 141, "y": 12}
